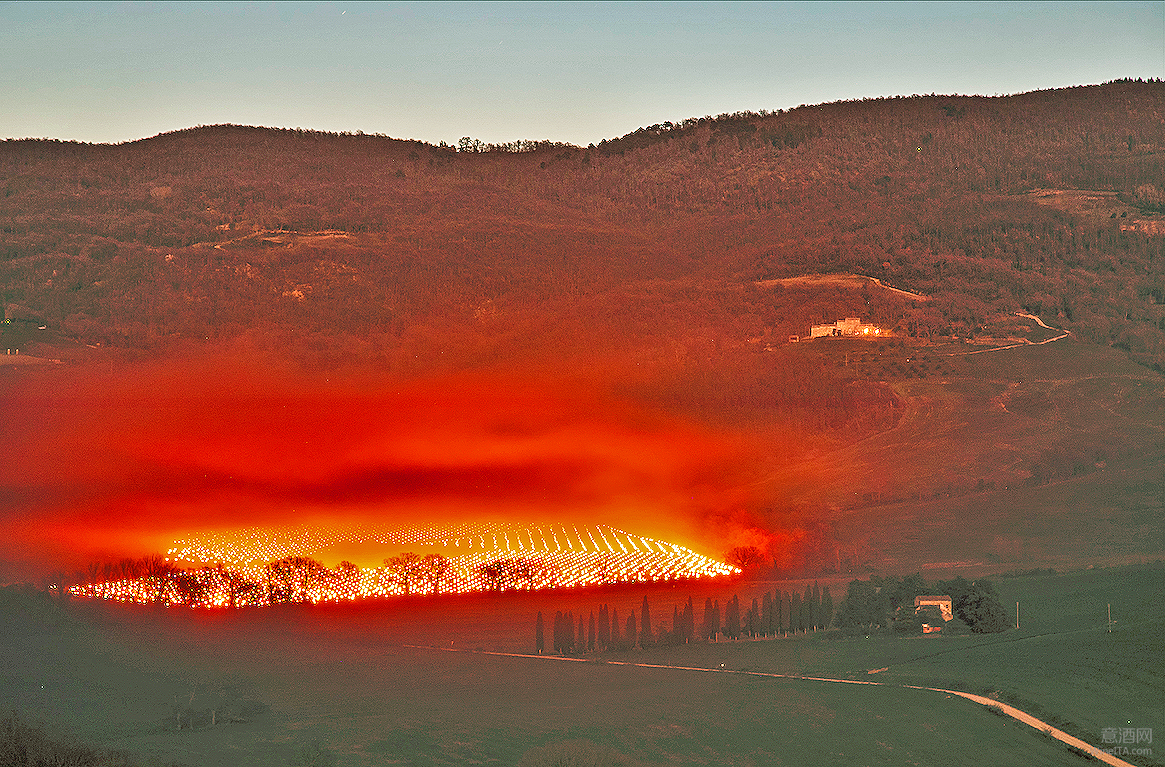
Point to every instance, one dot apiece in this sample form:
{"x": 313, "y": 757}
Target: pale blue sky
{"x": 575, "y": 72}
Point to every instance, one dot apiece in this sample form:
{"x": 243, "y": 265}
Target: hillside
{"x": 210, "y": 231}
{"x": 670, "y": 267}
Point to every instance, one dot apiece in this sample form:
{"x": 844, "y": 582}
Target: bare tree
{"x": 293, "y": 579}
{"x": 93, "y": 572}
{"x": 190, "y": 587}
{"x": 745, "y": 557}
{"x": 128, "y": 569}
{"x": 501, "y": 574}
{"x": 405, "y": 569}
{"x": 57, "y": 585}
{"x": 434, "y": 567}
{"x": 494, "y": 574}
{"x": 159, "y": 576}
{"x": 347, "y": 577}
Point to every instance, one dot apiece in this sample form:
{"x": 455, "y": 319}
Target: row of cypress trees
{"x": 779, "y": 614}
{"x": 782, "y": 613}
{"x": 607, "y": 631}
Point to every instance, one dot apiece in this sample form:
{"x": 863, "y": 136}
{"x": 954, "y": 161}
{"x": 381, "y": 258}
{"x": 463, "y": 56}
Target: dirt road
{"x": 1063, "y": 334}
{"x": 1011, "y": 711}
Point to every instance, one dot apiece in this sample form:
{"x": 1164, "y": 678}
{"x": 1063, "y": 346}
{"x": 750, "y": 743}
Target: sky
{"x": 570, "y": 72}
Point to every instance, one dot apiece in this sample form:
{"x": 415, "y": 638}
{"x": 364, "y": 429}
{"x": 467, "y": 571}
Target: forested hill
{"x": 360, "y": 245}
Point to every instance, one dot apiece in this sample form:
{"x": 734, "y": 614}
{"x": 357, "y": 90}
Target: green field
{"x": 1063, "y": 665}
{"x": 342, "y": 679}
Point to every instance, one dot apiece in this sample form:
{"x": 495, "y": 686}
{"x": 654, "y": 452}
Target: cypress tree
{"x": 794, "y": 611}
{"x": 816, "y": 607}
{"x": 614, "y": 627}
{"x": 766, "y": 614}
{"x": 677, "y": 626}
{"x": 779, "y": 612}
{"x": 604, "y": 628}
{"x": 582, "y": 635}
{"x": 789, "y": 621}
{"x": 708, "y": 630}
{"x": 826, "y": 608}
{"x": 807, "y": 609}
{"x": 568, "y": 631}
{"x": 753, "y": 619}
{"x": 716, "y": 618}
{"x": 732, "y": 618}
{"x": 557, "y": 631}
{"x": 645, "y": 624}
{"x": 591, "y": 634}
{"x": 689, "y": 619}
{"x": 860, "y": 606}
{"x": 539, "y": 639}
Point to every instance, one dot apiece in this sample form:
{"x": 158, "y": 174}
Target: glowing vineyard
{"x": 265, "y": 566}
{"x": 267, "y": 544}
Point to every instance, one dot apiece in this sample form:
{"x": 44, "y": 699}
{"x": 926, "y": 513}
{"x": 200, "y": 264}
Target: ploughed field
{"x": 388, "y": 683}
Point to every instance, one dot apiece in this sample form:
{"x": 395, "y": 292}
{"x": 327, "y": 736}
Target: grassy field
{"x": 322, "y": 683}
{"x": 1062, "y": 665}
{"x": 1046, "y": 455}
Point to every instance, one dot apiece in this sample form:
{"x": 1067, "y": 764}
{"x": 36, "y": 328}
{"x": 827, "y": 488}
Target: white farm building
{"x": 850, "y": 327}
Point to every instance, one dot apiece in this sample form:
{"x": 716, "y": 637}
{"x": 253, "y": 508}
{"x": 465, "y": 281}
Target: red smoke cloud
{"x": 117, "y": 463}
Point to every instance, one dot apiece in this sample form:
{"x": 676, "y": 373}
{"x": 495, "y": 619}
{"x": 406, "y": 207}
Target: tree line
{"x": 290, "y": 580}
{"x": 775, "y": 614}
{"x": 876, "y": 604}
{"x": 880, "y": 604}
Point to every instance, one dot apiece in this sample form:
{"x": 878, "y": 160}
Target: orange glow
{"x": 104, "y": 463}
{"x": 263, "y": 566}
{"x": 247, "y": 546}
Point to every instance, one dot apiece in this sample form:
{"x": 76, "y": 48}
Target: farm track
{"x": 847, "y": 280}
{"x": 1011, "y": 711}
{"x": 1063, "y": 334}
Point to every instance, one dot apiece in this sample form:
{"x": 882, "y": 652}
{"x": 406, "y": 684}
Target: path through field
{"x": 855, "y": 281}
{"x": 1063, "y": 334}
{"x": 1011, "y": 711}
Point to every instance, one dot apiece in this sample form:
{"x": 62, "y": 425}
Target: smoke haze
{"x": 117, "y": 463}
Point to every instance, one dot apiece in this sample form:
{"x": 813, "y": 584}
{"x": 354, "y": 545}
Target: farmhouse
{"x": 943, "y": 603}
{"x": 850, "y": 326}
